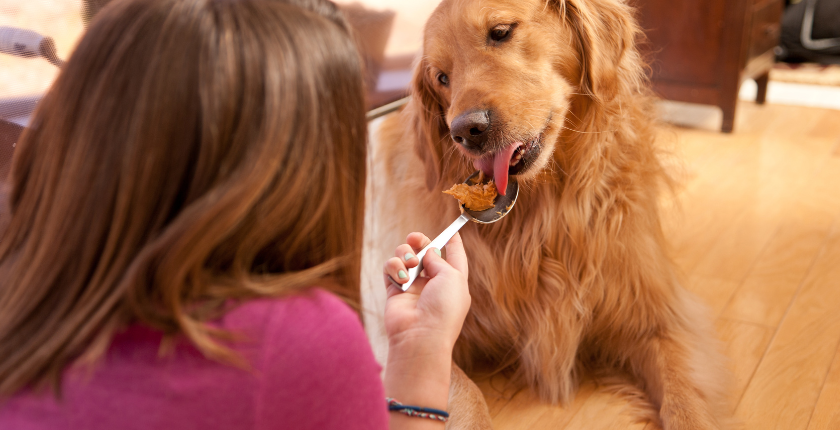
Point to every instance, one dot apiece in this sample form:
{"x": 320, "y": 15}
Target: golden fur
{"x": 576, "y": 279}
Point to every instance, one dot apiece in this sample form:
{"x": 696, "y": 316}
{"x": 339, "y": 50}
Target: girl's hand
{"x": 433, "y": 309}
{"x": 422, "y": 325}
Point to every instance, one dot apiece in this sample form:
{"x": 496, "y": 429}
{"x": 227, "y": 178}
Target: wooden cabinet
{"x": 701, "y": 50}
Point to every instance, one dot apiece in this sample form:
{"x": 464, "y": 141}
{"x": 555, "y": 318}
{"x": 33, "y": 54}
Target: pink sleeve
{"x": 318, "y": 370}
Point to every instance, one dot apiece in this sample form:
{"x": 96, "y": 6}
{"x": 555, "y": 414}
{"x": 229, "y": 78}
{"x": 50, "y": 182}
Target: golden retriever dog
{"x": 576, "y": 279}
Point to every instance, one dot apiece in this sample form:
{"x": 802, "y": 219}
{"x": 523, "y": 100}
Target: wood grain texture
{"x": 784, "y": 390}
{"x": 714, "y": 292}
{"x": 745, "y": 345}
{"x": 496, "y": 393}
{"x": 604, "y": 404}
{"x": 586, "y": 412}
{"x": 767, "y": 291}
{"x": 827, "y": 412}
{"x": 755, "y": 229}
{"x": 526, "y": 411}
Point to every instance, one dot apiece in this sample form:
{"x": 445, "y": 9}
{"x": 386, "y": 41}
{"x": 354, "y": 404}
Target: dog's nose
{"x": 470, "y": 129}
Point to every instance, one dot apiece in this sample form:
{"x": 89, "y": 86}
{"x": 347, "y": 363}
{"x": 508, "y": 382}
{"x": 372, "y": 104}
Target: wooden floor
{"x": 756, "y": 232}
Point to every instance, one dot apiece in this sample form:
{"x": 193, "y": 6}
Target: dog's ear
{"x": 429, "y": 124}
{"x": 606, "y": 34}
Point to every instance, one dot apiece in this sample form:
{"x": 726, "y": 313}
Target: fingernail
{"x": 437, "y": 251}
{"x": 402, "y": 274}
{"x": 408, "y": 256}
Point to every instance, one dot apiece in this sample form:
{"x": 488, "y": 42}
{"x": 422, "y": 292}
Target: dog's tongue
{"x": 496, "y": 166}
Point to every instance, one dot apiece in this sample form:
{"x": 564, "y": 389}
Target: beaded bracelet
{"x": 416, "y": 411}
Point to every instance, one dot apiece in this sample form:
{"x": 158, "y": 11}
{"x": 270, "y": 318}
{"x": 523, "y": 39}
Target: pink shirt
{"x": 312, "y": 369}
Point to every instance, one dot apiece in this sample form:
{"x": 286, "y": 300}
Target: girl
{"x": 185, "y": 234}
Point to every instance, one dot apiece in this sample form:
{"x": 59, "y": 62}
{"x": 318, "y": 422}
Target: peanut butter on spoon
{"x": 476, "y": 197}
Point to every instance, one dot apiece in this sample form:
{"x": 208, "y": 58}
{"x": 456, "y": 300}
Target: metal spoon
{"x": 504, "y": 203}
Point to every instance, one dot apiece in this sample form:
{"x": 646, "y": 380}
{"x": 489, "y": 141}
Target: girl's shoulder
{"x": 313, "y": 311}
{"x": 310, "y": 329}
{"x": 314, "y": 358}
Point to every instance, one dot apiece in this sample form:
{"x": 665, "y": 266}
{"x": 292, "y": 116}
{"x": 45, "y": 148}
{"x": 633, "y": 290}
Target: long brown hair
{"x": 191, "y": 154}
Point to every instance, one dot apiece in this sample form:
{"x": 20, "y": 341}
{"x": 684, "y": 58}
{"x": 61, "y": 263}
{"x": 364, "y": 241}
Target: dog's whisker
{"x": 573, "y": 114}
{"x": 571, "y": 122}
{"x": 587, "y": 132}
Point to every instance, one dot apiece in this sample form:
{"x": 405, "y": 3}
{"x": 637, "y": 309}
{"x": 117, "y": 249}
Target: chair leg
{"x": 728, "y": 116}
{"x": 761, "y": 94}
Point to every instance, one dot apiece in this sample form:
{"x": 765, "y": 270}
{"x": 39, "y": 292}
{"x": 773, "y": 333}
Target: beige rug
{"x": 806, "y": 73}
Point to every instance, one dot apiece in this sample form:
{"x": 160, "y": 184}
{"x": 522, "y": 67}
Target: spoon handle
{"x": 438, "y": 243}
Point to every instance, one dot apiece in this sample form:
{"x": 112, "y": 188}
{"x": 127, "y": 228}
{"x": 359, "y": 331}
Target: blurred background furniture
{"x": 371, "y": 28}
{"x": 389, "y": 34}
{"x": 701, "y": 51}
{"x": 810, "y": 32}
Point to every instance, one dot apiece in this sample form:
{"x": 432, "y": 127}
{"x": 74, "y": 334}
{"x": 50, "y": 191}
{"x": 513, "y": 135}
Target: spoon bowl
{"x": 503, "y": 205}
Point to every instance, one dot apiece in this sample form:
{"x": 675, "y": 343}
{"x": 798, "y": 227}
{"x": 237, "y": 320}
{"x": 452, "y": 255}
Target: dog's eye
{"x": 443, "y": 79}
{"x": 501, "y": 32}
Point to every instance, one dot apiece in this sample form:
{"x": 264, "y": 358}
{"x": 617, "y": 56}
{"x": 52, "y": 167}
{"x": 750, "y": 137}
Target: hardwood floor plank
{"x": 753, "y": 118}
{"x": 714, "y": 292}
{"x": 822, "y": 196}
{"x": 798, "y": 124}
{"x": 738, "y": 200}
{"x": 776, "y": 180}
{"x": 692, "y": 228}
{"x": 784, "y": 389}
{"x": 694, "y": 238}
{"x": 744, "y": 346}
{"x": 772, "y": 282}
{"x": 496, "y": 393}
{"x": 526, "y": 411}
{"x": 737, "y": 249}
{"x": 827, "y": 127}
{"x": 827, "y": 412}
{"x": 605, "y": 411}
{"x": 691, "y": 151}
